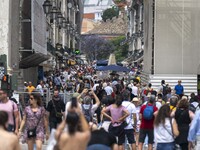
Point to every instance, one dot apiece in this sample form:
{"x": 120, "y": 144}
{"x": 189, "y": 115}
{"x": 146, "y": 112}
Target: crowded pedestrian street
{"x": 99, "y": 75}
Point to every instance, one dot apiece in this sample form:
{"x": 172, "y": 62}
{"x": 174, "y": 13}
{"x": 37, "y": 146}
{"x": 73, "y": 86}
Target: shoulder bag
{"x": 58, "y": 114}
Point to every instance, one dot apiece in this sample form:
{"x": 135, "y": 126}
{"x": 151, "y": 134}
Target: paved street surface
{"x": 25, "y": 147}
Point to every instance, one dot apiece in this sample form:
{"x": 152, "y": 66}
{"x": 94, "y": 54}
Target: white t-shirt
{"x": 163, "y": 134}
{"x": 95, "y": 86}
{"x": 108, "y": 90}
{"x": 158, "y": 105}
{"x": 132, "y": 110}
{"x": 40, "y": 89}
{"x": 134, "y": 90}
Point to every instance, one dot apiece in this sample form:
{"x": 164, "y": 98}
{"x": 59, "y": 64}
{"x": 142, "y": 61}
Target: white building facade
{"x": 172, "y": 41}
{"x": 97, "y": 7}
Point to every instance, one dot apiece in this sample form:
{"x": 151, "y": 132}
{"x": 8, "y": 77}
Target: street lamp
{"x": 54, "y": 12}
{"x": 77, "y": 8}
{"x": 59, "y": 17}
{"x": 64, "y": 23}
{"x": 47, "y": 7}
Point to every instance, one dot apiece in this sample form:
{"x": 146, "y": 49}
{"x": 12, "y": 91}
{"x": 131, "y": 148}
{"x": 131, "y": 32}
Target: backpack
{"x": 87, "y": 113}
{"x": 164, "y": 91}
{"x": 148, "y": 112}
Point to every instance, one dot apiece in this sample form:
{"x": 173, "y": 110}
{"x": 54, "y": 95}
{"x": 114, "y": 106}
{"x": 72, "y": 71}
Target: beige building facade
{"x": 176, "y": 39}
{"x": 172, "y": 39}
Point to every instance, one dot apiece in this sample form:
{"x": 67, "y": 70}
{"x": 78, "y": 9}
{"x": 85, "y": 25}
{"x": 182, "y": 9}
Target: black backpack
{"x": 164, "y": 91}
{"x": 87, "y": 113}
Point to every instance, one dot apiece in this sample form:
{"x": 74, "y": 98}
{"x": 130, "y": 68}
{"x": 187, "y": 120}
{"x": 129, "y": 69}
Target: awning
{"x": 33, "y": 60}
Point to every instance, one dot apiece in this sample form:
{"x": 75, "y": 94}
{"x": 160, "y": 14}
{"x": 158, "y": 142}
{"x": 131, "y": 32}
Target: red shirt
{"x": 147, "y": 124}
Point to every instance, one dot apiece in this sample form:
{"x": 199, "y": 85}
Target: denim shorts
{"x": 165, "y": 146}
{"x": 98, "y": 147}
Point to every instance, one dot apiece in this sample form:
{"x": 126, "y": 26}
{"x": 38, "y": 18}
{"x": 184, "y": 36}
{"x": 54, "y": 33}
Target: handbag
{"x": 31, "y": 133}
{"x": 58, "y": 114}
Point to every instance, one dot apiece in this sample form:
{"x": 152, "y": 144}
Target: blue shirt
{"x": 179, "y": 89}
{"x": 195, "y": 127}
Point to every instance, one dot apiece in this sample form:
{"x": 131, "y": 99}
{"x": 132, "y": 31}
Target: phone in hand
{"x": 74, "y": 102}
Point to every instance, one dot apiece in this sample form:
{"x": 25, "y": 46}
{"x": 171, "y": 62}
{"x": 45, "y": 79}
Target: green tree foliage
{"x": 110, "y": 13}
{"x": 121, "y": 51}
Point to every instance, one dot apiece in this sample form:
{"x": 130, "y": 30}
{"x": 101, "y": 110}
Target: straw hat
{"x": 135, "y": 99}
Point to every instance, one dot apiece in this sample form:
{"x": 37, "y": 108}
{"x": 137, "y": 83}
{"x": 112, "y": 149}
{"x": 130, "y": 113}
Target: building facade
{"x": 134, "y": 36}
{"x": 171, "y": 41}
{"x": 30, "y": 35}
{"x": 93, "y": 9}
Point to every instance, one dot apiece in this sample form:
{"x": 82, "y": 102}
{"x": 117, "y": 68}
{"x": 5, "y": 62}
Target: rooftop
{"x": 115, "y": 26}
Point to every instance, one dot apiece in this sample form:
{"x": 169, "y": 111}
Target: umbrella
{"x": 113, "y": 68}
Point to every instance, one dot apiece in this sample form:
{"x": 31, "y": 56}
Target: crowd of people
{"x": 102, "y": 114}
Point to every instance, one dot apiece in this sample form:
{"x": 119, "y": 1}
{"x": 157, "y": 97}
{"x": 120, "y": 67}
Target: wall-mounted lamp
{"x": 59, "y": 17}
{"x": 54, "y": 12}
{"x": 47, "y": 7}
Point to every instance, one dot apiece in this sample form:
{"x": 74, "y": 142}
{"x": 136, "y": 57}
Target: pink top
{"x": 9, "y": 107}
{"x": 116, "y": 113}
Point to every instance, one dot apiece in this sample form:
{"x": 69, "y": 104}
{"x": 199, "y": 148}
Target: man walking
{"x": 129, "y": 129}
{"x": 147, "y": 113}
{"x": 11, "y": 108}
{"x": 55, "y": 109}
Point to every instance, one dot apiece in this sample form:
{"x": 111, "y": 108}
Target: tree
{"x": 96, "y": 48}
{"x": 110, "y": 13}
{"x": 121, "y": 51}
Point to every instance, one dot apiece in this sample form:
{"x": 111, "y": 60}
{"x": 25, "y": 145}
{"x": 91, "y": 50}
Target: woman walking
{"x": 34, "y": 121}
{"x": 183, "y": 117}
{"x": 165, "y": 129}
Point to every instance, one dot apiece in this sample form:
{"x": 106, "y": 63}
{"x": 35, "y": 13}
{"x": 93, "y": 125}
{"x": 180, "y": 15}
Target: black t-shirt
{"x": 102, "y": 137}
{"x": 59, "y": 107}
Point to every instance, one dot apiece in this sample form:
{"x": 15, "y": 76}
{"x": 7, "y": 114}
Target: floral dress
{"x": 34, "y": 119}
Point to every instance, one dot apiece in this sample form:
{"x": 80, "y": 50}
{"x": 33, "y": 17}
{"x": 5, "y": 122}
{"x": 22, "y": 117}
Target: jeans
{"x": 165, "y": 146}
{"x": 98, "y": 147}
